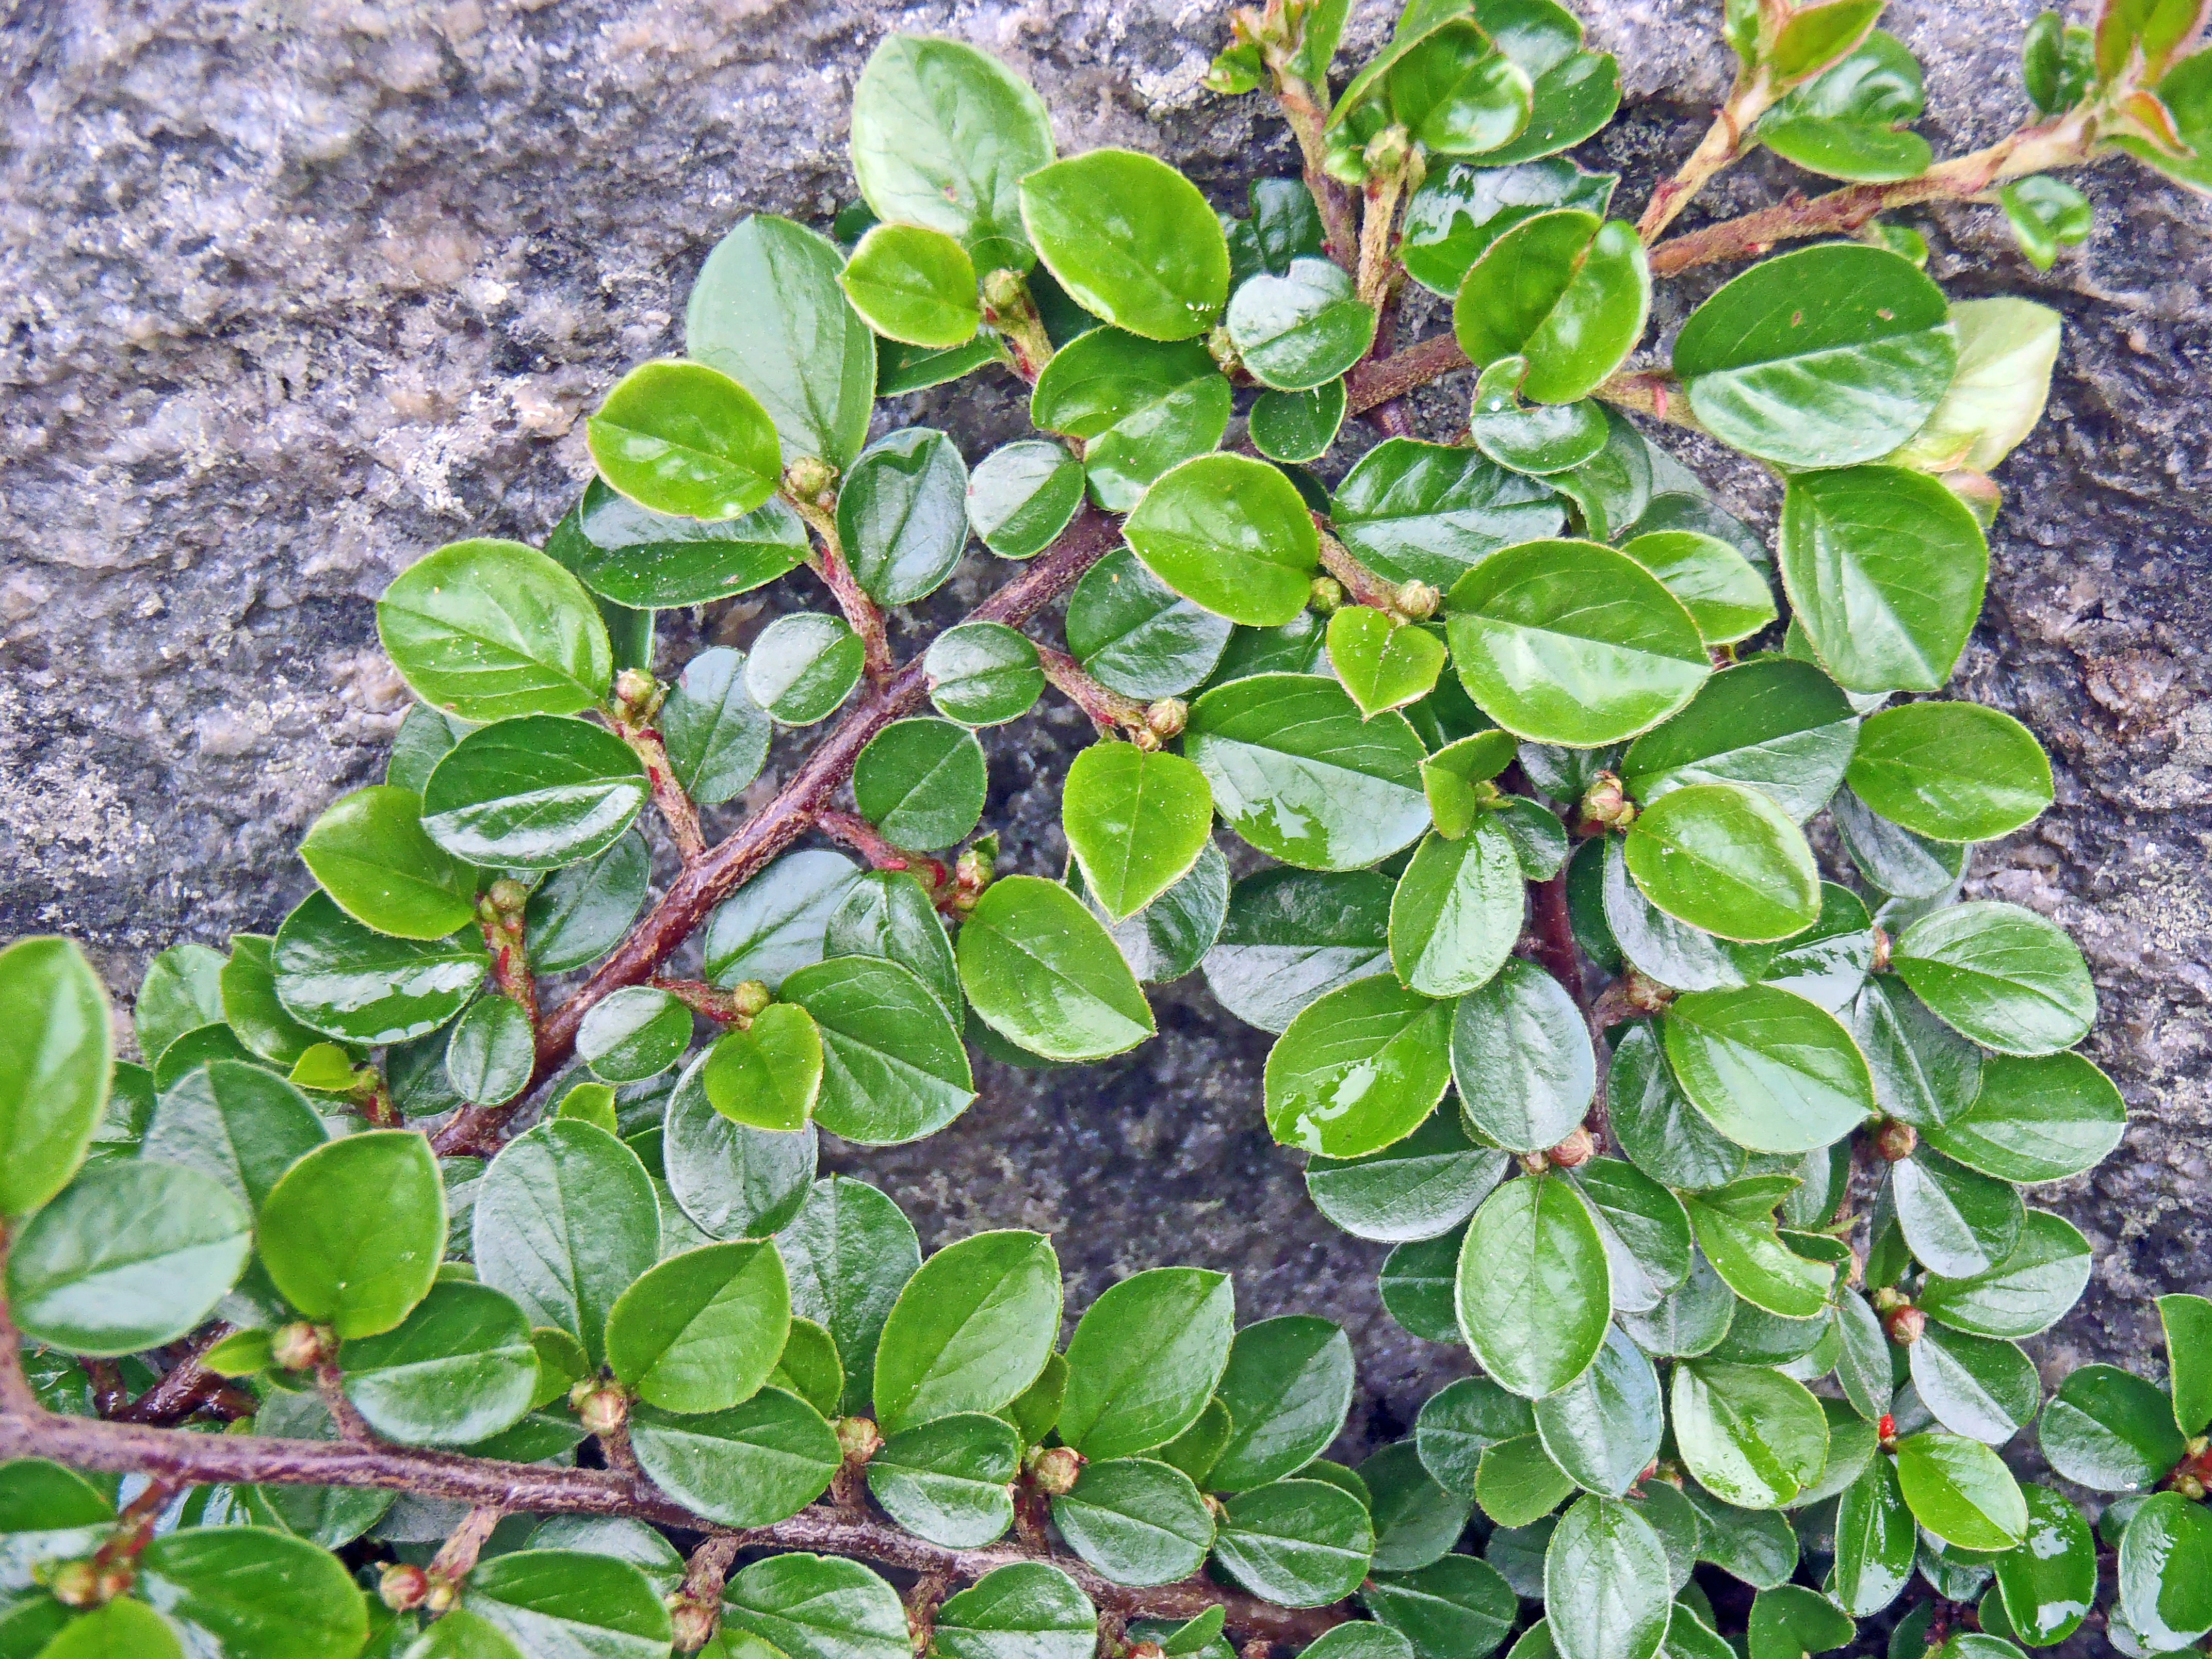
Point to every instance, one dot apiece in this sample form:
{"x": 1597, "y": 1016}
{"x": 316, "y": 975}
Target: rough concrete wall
{"x": 293, "y": 294}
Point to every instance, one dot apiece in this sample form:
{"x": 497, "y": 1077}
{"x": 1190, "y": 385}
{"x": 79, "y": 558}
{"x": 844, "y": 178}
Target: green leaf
{"x": 1452, "y": 779}
{"x": 1847, "y": 121}
{"x": 1456, "y": 93}
{"x": 565, "y": 1221}
{"x": 893, "y": 1069}
{"x": 237, "y": 1123}
{"x": 1460, "y": 1423}
{"x": 849, "y": 1253}
{"x": 1726, "y": 859}
{"x": 55, "y": 1058}
{"x": 810, "y": 1368}
{"x": 1145, "y": 1359}
{"x": 913, "y": 284}
{"x": 1287, "y": 1388}
{"x": 731, "y": 1180}
{"x": 1885, "y": 569}
{"x": 1822, "y": 357}
{"x": 1021, "y": 496}
{"x": 2000, "y": 975}
{"x": 983, "y": 674}
{"x": 1301, "y": 328}
{"x": 492, "y": 629}
{"x": 803, "y": 666}
{"x": 1603, "y": 1429}
{"x": 1522, "y": 1058}
{"x": 634, "y": 1033}
{"x": 1031, "y": 962}
{"x": 1418, "y": 512}
{"x": 1297, "y": 772}
{"x": 491, "y": 1050}
{"x": 949, "y": 1480}
{"x": 1457, "y": 911}
{"x": 942, "y": 134}
{"x": 748, "y": 1465}
{"x": 1137, "y": 1521}
{"x": 2023, "y": 1295}
{"x": 2046, "y": 214}
{"x": 1657, "y": 1125}
{"x": 1575, "y": 93}
{"x": 580, "y": 912}
{"x": 1139, "y": 406}
{"x": 1025, "y": 1610}
{"x": 570, "y": 1603}
{"x": 1231, "y": 534}
{"x": 2049, "y": 1583}
{"x": 1605, "y": 1583}
{"x": 684, "y": 439}
{"x": 1533, "y": 1291}
{"x": 1518, "y": 1483}
{"x": 766, "y": 311}
{"x": 1418, "y": 1283}
{"x": 1131, "y": 240}
{"x": 971, "y": 1329}
{"x": 1960, "y": 1491}
{"x": 902, "y": 514}
{"x": 717, "y": 736}
{"x": 1923, "y": 1074}
{"x": 336, "y": 977}
{"x": 1566, "y": 641}
{"x": 1170, "y": 936}
{"x": 1384, "y": 665}
{"x": 369, "y": 853}
{"x": 1827, "y": 963}
{"x": 774, "y": 924}
{"x": 1771, "y": 1071}
{"x": 1976, "y": 1385}
{"x": 1957, "y": 1222}
{"x": 922, "y": 782}
{"x": 1298, "y": 1543}
{"x": 1460, "y": 209}
{"x": 1646, "y": 1229}
{"x": 1951, "y": 771}
{"x": 1752, "y": 1436}
{"x": 1456, "y": 1607}
{"x": 2166, "y": 1571}
{"x": 1358, "y": 1069}
{"x": 815, "y": 1606}
{"x": 1735, "y": 1228}
{"x": 119, "y": 1627}
{"x": 245, "y": 1591}
{"x": 2110, "y": 1431}
{"x": 1565, "y": 290}
{"x": 1416, "y": 1520}
{"x": 2187, "y": 1322}
{"x": 1135, "y": 822}
{"x": 459, "y": 1369}
{"x": 1290, "y": 936}
{"x": 1875, "y": 1542}
{"x": 1297, "y": 426}
{"x": 1417, "y": 1187}
{"x": 534, "y": 794}
{"x": 353, "y": 1234}
{"x": 633, "y": 556}
{"x": 251, "y": 1008}
{"x": 130, "y": 1255}
{"x": 1135, "y": 636}
{"x": 1792, "y": 1622}
{"x": 2007, "y": 351}
{"x": 701, "y": 1331}
{"x": 1195, "y": 1450}
{"x": 1724, "y": 594}
{"x": 768, "y": 1076}
{"x": 1540, "y": 439}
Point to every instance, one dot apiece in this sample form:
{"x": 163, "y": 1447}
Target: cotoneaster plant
{"x": 374, "y": 1254}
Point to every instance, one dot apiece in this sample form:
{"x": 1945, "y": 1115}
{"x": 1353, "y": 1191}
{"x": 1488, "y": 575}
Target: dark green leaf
{"x": 1603, "y": 1428}
{"x": 1290, "y": 936}
{"x": 1457, "y": 911}
{"x": 2166, "y": 1572}
{"x": 579, "y": 913}
{"x": 1419, "y": 1282}
{"x": 2035, "y": 1120}
{"x": 1605, "y": 1583}
{"x": 922, "y": 782}
{"x": 717, "y": 736}
{"x": 774, "y": 924}
{"x": 1673, "y": 952}
{"x": 1958, "y": 1223}
{"x": 1417, "y": 1188}
{"x": 1575, "y": 92}
{"x": 1456, "y": 1607}
{"x": 1021, "y": 496}
{"x": 1299, "y": 1543}
{"x": 1923, "y": 1074}
{"x": 1302, "y": 328}
{"x": 748, "y": 1465}
{"x": 2000, "y": 975}
{"x": 1521, "y": 1056}
{"x": 570, "y": 1603}
{"x": 1139, "y": 406}
{"x": 1875, "y": 1542}
{"x": 2110, "y": 1431}
{"x": 1534, "y": 1294}
{"x": 1976, "y": 1385}
{"x": 701, "y": 1331}
{"x": 902, "y": 514}
{"x": 633, "y": 556}
{"x": 1026, "y": 1610}
{"x": 1297, "y": 426}
{"x": 1646, "y": 1232}
{"x": 1171, "y": 935}
{"x": 803, "y": 666}
{"x": 849, "y": 1253}
{"x": 886, "y": 913}
{"x": 983, "y": 674}
{"x": 1358, "y": 1069}
{"x": 1735, "y": 1228}
{"x": 1137, "y": 1520}
{"x": 250, "y": 1005}
{"x": 1456, "y": 93}
{"x": 634, "y": 1033}
{"x": 730, "y": 1180}
{"x": 1460, "y": 209}
{"x": 2024, "y": 1294}
{"x": 565, "y": 1221}
{"x": 336, "y": 977}
{"x": 1416, "y": 1520}
{"x": 969, "y": 1331}
{"x": 1771, "y": 724}
{"x": 1418, "y": 512}
{"x": 1657, "y": 1127}
{"x": 1752, "y": 1436}
{"x": 817, "y": 1606}
{"x": 892, "y": 1066}
{"x": 459, "y": 1369}
{"x": 490, "y": 630}
{"x": 533, "y": 794}
{"x": 1135, "y": 636}
{"x": 948, "y": 1481}
{"x": 1287, "y": 1387}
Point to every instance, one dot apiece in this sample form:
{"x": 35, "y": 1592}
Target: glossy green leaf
{"x": 1923, "y": 1074}
{"x": 1603, "y": 1429}
{"x": 922, "y": 782}
{"x": 815, "y": 1606}
{"x": 1605, "y": 1583}
{"x": 2000, "y": 975}
{"x": 1752, "y": 1436}
{"x": 1735, "y": 1228}
{"x": 490, "y": 1051}
{"x": 949, "y": 1480}
{"x": 2166, "y": 1571}
{"x": 582, "y": 911}
{"x": 1358, "y": 1069}
{"x": 1139, "y": 406}
{"x": 849, "y": 1253}
{"x": 1195, "y": 1450}
{"x": 1131, "y": 240}
{"x": 808, "y": 1367}
{"x": 2026, "y": 1293}
{"x": 1658, "y": 1129}
{"x": 1977, "y": 1386}
{"x": 913, "y": 284}
{"x": 459, "y": 1369}
{"x": 634, "y": 1033}
{"x": 747, "y": 1465}
{"x": 1290, "y": 936}
{"x": 701, "y": 1331}
{"x": 1821, "y": 357}
{"x": 1381, "y": 664}
{"x": 1724, "y": 594}
{"x": 1727, "y": 859}
{"x": 1673, "y": 952}
{"x": 902, "y": 514}
{"x": 565, "y": 1221}
{"x": 1298, "y": 1543}
{"x": 2187, "y": 1322}
{"x": 766, "y": 311}
{"x": 490, "y": 630}
{"x": 716, "y": 736}
{"x": 729, "y": 1179}
{"x": 1961, "y": 1491}
{"x": 56, "y": 1054}
{"x": 1456, "y": 1607}
{"x": 635, "y": 557}
{"x": 1646, "y": 1231}
{"x": 238, "y": 1123}
{"x": 1565, "y": 290}
{"x": 1136, "y": 1520}
{"x": 1574, "y": 93}
{"x": 1771, "y": 1071}
{"x": 1456, "y": 93}
{"x": 1297, "y": 426}
{"x": 2046, "y": 215}
{"x": 1452, "y": 778}
{"x": 1297, "y": 772}
{"x": 1417, "y": 1187}
{"x": 2110, "y": 1431}
{"x": 887, "y": 913}
{"x": 120, "y": 1627}
{"x": 983, "y": 674}
{"x": 774, "y": 924}
{"x": 969, "y": 1331}
{"x": 1288, "y": 1388}
{"x": 354, "y": 1232}
{"x": 1145, "y": 1359}
{"x": 768, "y": 1076}
{"x": 1460, "y": 209}
{"x": 336, "y": 977}
{"x": 1538, "y": 439}
{"x": 1231, "y": 534}
{"x": 892, "y": 1066}
{"x": 1301, "y": 328}
{"x": 1026, "y": 1610}
{"x": 1419, "y": 512}
{"x": 1951, "y": 771}
{"x": 1522, "y": 1058}
{"x": 533, "y": 794}
{"x": 1021, "y": 496}
{"x": 1875, "y": 1542}
{"x": 1031, "y": 962}
{"x": 1418, "y": 1283}
{"x": 250, "y": 1592}
{"x": 250, "y": 1005}
{"x": 686, "y": 439}
{"x": 1171, "y": 936}
{"x": 1789, "y": 1622}
{"x": 803, "y": 666}
{"x": 1135, "y": 636}
{"x": 1416, "y": 1520}
{"x": 1461, "y": 1422}
{"x": 1570, "y": 642}
{"x": 1885, "y": 569}
{"x": 1847, "y": 122}
{"x": 1457, "y": 911}
{"x": 570, "y": 1602}
{"x": 2008, "y": 348}
{"x": 1518, "y": 1483}
{"x": 369, "y": 853}
{"x": 130, "y": 1255}
{"x": 1533, "y": 1291}
{"x": 1136, "y": 821}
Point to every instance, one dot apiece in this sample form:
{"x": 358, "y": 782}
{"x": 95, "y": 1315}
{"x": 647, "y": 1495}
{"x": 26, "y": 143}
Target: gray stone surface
{"x": 292, "y": 294}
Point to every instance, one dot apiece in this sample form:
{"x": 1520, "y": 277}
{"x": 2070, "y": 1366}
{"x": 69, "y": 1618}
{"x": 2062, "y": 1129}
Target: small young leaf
{"x": 1384, "y": 665}
{"x": 803, "y": 666}
{"x": 686, "y": 439}
{"x": 915, "y": 285}
{"x": 769, "y": 1075}
{"x": 1135, "y": 822}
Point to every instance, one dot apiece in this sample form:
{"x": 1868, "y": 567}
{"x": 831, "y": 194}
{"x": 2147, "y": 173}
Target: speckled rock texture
{"x": 290, "y": 295}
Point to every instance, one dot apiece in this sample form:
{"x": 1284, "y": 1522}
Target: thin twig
{"x": 844, "y": 586}
{"x": 864, "y": 838}
{"x": 1752, "y": 95}
{"x": 1110, "y": 711}
{"x": 457, "y": 1557}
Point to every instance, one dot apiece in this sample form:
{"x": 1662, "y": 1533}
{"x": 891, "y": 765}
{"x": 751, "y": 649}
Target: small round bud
{"x": 810, "y": 478}
{"x": 1168, "y": 716}
{"x": 1387, "y": 152}
{"x": 1417, "y": 601}
{"x": 1004, "y": 289}
{"x": 1881, "y": 950}
{"x": 1144, "y": 1650}
{"x": 509, "y": 896}
{"x": 1889, "y": 1299}
{"x": 298, "y": 1347}
{"x": 691, "y": 1621}
{"x": 1147, "y": 739}
{"x": 1222, "y": 348}
{"x": 76, "y": 1584}
{"x": 752, "y": 998}
{"x": 2199, "y": 1446}
{"x": 1895, "y": 1141}
{"x": 1055, "y": 1470}
{"x": 1606, "y": 806}
{"x": 1645, "y": 995}
{"x": 1325, "y": 598}
{"x": 604, "y": 1409}
{"x": 858, "y": 1438}
{"x": 1577, "y": 1149}
{"x": 2189, "y": 1487}
{"x": 1534, "y": 1163}
{"x": 1906, "y": 1325}
{"x": 114, "y": 1580}
{"x": 1886, "y": 1430}
{"x": 443, "y": 1594}
{"x": 403, "y": 1588}
{"x": 636, "y": 697}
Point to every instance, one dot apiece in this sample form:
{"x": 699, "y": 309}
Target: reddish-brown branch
{"x": 845, "y": 587}
{"x": 736, "y": 860}
{"x": 1380, "y": 380}
{"x": 187, "y": 1386}
{"x": 677, "y": 809}
{"x": 27, "y": 1430}
{"x": 1110, "y": 711}
{"x": 864, "y": 838}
